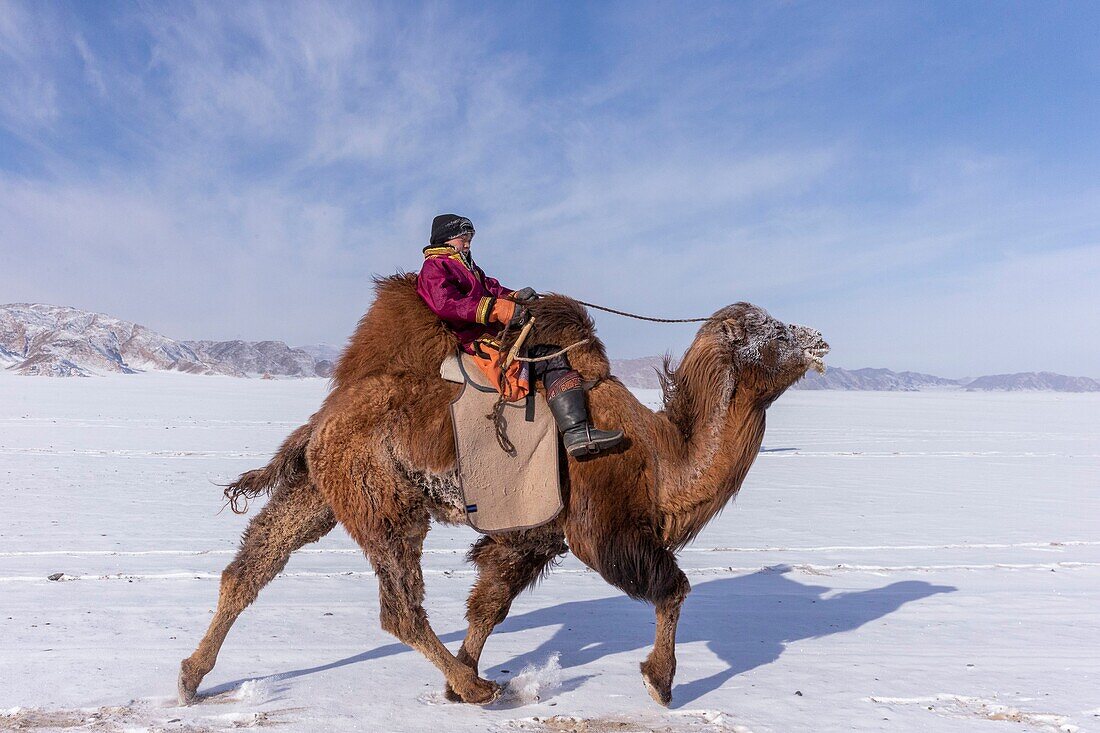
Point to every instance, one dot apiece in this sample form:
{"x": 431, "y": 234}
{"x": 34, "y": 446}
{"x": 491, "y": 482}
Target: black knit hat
{"x": 449, "y": 226}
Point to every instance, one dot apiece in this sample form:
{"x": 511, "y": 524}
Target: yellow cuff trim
{"x": 484, "y": 310}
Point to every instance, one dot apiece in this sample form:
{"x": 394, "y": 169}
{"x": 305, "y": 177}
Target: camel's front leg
{"x": 636, "y": 563}
{"x": 507, "y": 565}
{"x": 294, "y": 516}
{"x": 660, "y": 666}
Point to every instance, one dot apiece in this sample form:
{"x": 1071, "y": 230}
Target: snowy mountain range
{"x": 51, "y": 340}
{"x": 642, "y": 373}
{"x": 58, "y": 341}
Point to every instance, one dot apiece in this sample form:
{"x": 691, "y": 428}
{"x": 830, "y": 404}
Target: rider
{"x": 476, "y": 308}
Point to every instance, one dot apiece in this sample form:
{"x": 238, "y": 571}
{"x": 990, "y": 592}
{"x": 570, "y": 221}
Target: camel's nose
{"x": 810, "y": 339}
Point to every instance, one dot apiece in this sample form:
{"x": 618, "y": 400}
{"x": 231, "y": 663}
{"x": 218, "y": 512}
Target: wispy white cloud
{"x": 29, "y": 99}
{"x": 240, "y": 171}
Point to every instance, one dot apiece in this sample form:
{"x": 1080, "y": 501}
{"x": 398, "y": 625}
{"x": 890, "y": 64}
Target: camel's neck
{"x": 715, "y": 461}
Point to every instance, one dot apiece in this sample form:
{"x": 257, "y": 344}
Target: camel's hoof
{"x": 188, "y": 691}
{"x": 661, "y": 692}
{"x": 482, "y": 692}
{"x": 187, "y": 694}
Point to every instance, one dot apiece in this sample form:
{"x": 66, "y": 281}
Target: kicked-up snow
{"x": 895, "y": 561}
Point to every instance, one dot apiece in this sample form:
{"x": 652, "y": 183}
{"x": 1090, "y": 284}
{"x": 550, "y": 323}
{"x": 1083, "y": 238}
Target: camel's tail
{"x": 288, "y": 464}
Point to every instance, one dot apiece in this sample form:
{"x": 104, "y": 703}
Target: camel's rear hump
{"x": 399, "y": 335}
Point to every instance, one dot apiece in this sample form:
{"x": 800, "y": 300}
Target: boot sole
{"x": 592, "y": 448}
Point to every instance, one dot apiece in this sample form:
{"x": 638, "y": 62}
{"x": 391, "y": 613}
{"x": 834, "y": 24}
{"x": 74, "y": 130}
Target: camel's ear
{"x": 733, "y": 329}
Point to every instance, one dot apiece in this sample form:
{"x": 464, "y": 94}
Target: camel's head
{"x": 766, "y": 355}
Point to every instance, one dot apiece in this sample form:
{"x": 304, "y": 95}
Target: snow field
{"x": 925, "y": 561}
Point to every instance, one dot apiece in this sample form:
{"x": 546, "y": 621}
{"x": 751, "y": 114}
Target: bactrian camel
{"x": 379, "y": 458}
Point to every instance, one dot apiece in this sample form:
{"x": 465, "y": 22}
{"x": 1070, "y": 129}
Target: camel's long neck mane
{"x": 719, "y": 427}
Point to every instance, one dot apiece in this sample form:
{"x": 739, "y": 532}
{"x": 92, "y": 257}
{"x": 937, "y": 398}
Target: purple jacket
{"x": 460, "y": 293}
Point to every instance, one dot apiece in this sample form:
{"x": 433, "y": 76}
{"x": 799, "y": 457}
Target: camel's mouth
{"x": 816, "y": 356}
{"x": 814, "y": 347}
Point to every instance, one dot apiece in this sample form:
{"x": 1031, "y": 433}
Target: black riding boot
{"x": 571, "y": 413}
{"x": 565, "y": 395}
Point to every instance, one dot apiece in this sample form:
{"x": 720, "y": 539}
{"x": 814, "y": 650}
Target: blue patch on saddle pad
{"x": 471, "y": 508}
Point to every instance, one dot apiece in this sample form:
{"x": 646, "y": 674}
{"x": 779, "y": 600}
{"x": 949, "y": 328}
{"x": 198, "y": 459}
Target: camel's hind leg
{"x": 395, "y": 552}
{"x": 294, "y": 516}
{"x": 385, "y": 513}
{"x": 507, "y": 565}
{"x": 351, "y": 458}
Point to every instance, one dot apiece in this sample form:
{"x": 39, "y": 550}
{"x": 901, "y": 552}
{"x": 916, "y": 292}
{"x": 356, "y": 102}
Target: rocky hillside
{"x": 638, "y": 373}
{"x": 322, "y": 352}
{"x": 262, "y": 357}
{"x": 58, "y": 341}
{"x": 889, "y": 381}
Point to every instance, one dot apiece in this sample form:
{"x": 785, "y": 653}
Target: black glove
{"x": 519, "y": 318}
{"x": 525, "y": 295}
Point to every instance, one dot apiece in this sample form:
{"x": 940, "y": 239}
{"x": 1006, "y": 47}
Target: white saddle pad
{"x": 503, "y": 492}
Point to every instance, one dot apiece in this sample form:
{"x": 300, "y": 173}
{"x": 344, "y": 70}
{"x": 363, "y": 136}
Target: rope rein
{"x": 582, "y": 342}
{"x": 555, "y": 355}
{"x": 638, "y": 317}
{"x": 507, "y": 356}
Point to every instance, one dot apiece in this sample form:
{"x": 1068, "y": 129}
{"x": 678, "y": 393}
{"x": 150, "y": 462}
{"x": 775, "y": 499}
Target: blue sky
{"x": 918, "y": 181}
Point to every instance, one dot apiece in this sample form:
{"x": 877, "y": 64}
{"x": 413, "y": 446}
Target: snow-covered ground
{"x": 917, "y": 562}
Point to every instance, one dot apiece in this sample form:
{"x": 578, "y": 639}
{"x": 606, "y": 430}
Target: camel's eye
{"x": 733, "y": 329}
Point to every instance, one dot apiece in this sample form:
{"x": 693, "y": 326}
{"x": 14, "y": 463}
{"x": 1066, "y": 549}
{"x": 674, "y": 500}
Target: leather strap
{"x": 529, "y": 411}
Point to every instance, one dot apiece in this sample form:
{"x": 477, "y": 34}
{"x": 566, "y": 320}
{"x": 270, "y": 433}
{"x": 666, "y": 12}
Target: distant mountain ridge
{"x": 322, "y": 352}
{"x": 882, "y": 380}
{"x": 642, "y": 373}
{"x": 59, "y": 341}
{"x": 1031, "y": 381}
{"x": 263, "y": 357}
{"x": 638, "y": 373}
{"x": 50, "y": 340}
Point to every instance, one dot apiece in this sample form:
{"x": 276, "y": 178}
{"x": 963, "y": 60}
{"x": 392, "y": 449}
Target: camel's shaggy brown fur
{"x": 377, "y": 452}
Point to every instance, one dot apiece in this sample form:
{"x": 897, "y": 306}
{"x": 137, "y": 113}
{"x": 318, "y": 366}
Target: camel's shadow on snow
{"x": 746, "y": 621}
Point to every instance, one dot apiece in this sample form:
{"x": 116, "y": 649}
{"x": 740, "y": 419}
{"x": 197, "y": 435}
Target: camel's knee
{"x": 677, "y": 592}
{"x": 400, "y": 601}
{"x": 505, "y": 571}
{"x": 238, "y": 588}
{"x": 643, "y": 570}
